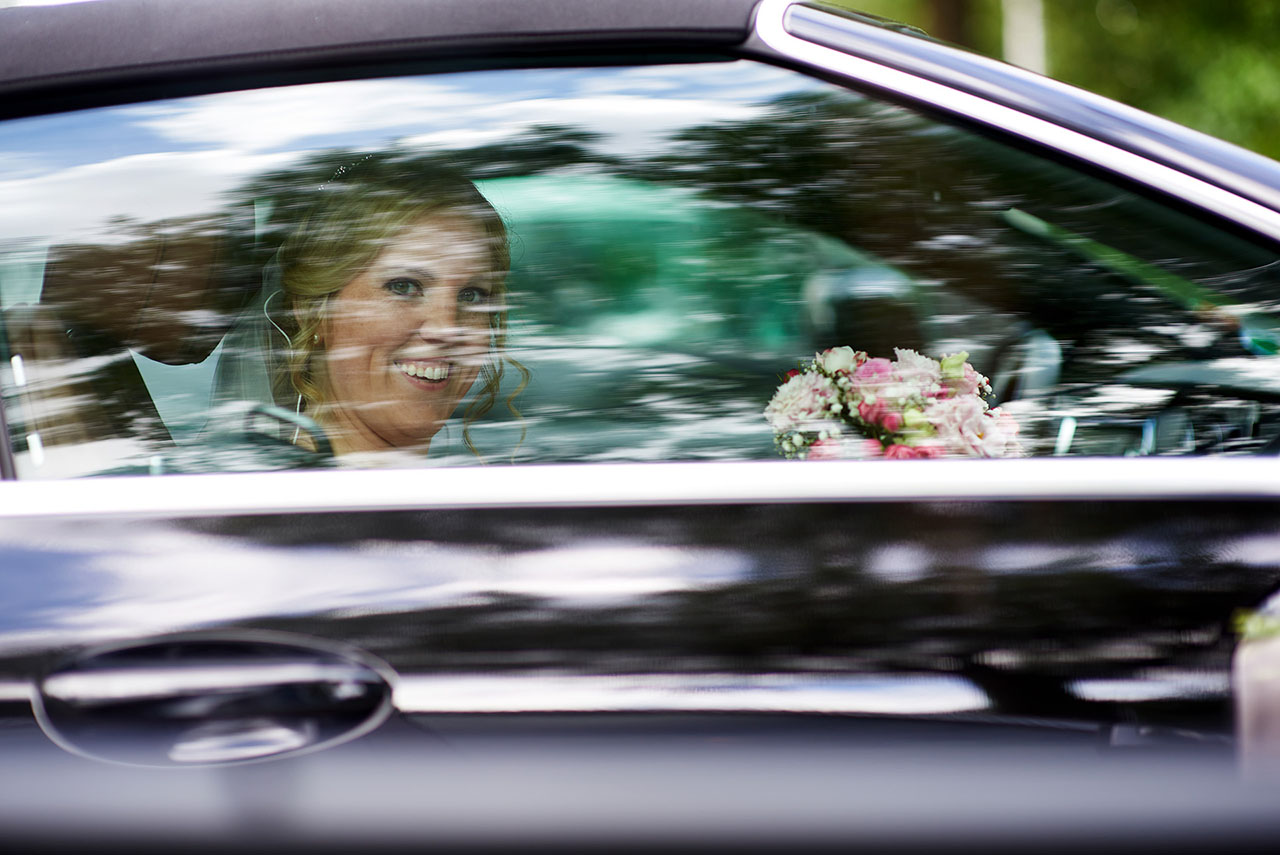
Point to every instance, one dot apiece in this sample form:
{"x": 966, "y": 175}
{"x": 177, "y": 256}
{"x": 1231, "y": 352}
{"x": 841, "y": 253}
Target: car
{"x": 580, "y": 598}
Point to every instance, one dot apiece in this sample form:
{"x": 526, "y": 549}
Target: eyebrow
{"x": 421, "y": 273}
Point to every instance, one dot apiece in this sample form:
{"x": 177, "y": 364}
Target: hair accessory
{"x": 345, "y": 168}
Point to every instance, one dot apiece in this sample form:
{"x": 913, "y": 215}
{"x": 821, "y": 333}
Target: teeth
{"x": 424, "y": 371}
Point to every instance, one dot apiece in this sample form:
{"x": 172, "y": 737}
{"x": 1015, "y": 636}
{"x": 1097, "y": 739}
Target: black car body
{"x": 639, "y": 632}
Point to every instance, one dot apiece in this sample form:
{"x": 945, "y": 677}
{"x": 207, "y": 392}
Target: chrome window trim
{"x": 829, "y": 693}
{"x": 773, "y": 692}
{"x": 636, "y": 484}
{"x": 16, "y": 691}
{"x": 771, "y": 29}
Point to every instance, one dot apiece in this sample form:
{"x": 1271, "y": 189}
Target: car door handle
{"x": 212, "y": 698}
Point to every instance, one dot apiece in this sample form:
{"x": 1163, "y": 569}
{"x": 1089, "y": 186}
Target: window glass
{"x": 582, "y": 264}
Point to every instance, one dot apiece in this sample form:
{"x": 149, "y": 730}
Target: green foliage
{"x": 1211, "y": 66}
{"x": 972, "y": 23}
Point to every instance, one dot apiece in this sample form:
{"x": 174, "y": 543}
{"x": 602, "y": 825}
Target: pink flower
{"x": 876, "y": 370}
{"x": 969, "y": 382}
{"x": 871, "y": 448}
{"x": 845, "y": 448}
{"x": 880, "y": 414}
{"x": 912, "y": 452}
{"x": 794, "y": 372}
{"x": 826, "y": 449}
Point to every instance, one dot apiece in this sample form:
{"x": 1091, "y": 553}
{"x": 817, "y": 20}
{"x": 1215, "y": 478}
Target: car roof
{"x": 51, "y": 50}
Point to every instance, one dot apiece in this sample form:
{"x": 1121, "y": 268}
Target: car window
{"x": 598, "y": 264}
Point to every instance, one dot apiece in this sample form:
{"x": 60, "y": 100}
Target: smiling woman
{"x": 393, "y": 287}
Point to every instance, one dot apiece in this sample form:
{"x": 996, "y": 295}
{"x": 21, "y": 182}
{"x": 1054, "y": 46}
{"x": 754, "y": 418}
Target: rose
{"x": 874, "y": 371}
{"x": 837, "y": 359}
{"x": 879, "y": 413}
{"x": 845, "y": 448}
{"x": 912, "y": 452}
{"x": 826, "y": 449}
{"x": 840, "y": 359}
{"x": 868, "y": 448}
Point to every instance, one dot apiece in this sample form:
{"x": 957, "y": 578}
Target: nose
{"x": 437, "y": 315}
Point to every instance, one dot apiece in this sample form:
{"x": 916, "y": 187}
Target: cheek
{"x": 469, "y": 376}
{"x": 364, "y": 327}
{"x": 471, "y": 363}
{"x": 480, "y": 325}
{"x": 474, "y": 337}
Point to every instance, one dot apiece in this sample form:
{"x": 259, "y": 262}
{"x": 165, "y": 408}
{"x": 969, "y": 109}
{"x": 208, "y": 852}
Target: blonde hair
{"x": 351, "y": 223}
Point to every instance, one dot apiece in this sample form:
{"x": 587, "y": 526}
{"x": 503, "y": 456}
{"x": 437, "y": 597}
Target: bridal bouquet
{"x": 842, "y": 404}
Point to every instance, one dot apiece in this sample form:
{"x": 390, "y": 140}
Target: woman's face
{"x": 404, "y": 340}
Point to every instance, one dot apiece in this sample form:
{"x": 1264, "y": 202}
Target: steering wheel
{"x": 1026, "y": 366}
{"x": 300, "y": 423}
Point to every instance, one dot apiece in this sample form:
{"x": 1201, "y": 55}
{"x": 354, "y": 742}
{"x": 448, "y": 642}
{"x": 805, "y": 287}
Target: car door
{"x": 603, "y": 607}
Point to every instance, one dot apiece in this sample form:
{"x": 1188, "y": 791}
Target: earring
{"x": 315, "y": 338}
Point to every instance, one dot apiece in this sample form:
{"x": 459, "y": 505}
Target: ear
{"x": 318, "y": 313}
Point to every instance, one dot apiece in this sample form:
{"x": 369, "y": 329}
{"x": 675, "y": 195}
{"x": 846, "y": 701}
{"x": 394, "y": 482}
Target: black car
{"x": 395, "y": 398}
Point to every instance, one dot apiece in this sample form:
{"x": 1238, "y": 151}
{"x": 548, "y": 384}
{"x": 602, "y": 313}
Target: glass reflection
{"x": 635, "y": 257}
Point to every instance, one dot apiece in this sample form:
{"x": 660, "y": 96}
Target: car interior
{"x": 658, "y": 300}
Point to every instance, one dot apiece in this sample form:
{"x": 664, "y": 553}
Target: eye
{"x": 472, "y": 295}
{"x": 403, "y": 287}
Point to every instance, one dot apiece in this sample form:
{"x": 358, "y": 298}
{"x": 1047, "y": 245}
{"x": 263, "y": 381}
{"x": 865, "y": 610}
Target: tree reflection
{"x": 660, "y": 302}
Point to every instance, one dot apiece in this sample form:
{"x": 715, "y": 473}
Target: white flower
{"x": 1002, "y": 435}
{"x": 919, "y": 371}
{"x": 836, "y": 359}
{"x": 958, "y": 423}
{"x": 802, "y": 400}
{"x": 965, "y": 427}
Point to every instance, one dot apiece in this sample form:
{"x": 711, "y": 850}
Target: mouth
{"x": 429, "y": 372}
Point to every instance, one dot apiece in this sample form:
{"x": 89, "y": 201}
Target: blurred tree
{"x": 1211, "y": 66}
{"x": 974, "y": 24}
{"x": 1208, "y": 65}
